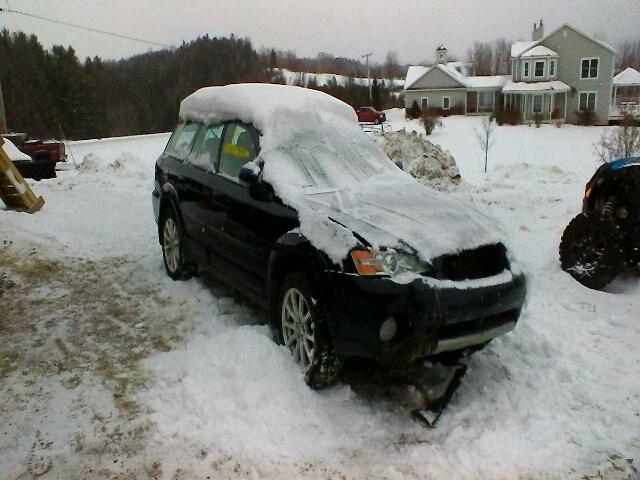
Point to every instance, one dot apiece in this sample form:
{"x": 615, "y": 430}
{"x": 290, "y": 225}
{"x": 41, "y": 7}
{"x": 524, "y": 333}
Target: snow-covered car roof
{"x": 13, "y": 153}
{"x": 259, "y": 104}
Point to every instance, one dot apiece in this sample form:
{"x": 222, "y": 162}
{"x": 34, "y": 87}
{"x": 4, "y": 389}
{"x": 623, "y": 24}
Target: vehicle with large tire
{"x": 308, "y": 218}
{"x": 605, "y": 237}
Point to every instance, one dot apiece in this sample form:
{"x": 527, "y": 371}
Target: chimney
{"x": 538, "y": 31}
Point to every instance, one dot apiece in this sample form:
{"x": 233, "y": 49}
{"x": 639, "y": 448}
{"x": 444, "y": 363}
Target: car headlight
{"x": 387, "y": 262}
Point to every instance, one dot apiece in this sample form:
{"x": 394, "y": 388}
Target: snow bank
{"x": 429, "y": 163}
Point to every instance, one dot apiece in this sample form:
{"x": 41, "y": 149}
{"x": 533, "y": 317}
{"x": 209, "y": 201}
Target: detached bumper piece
{"x": 436, "y": 384}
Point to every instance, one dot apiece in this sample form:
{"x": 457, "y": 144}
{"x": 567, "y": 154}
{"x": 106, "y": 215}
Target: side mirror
{"x": 249, "y": 174}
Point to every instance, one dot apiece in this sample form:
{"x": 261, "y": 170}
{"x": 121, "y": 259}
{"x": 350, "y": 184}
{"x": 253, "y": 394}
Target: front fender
{"x": 293, "y": 252}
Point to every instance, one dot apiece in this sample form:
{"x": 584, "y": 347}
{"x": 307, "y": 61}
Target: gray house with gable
{"x": 553, "y": 76}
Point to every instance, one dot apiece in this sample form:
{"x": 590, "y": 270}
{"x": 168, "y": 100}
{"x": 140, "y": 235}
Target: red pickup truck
{"x": 370, "y": 115}
{"x": 44, "y": 155}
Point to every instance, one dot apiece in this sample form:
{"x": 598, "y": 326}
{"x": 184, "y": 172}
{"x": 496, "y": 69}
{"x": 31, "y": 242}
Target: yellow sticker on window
{"x": 236, "y": 151}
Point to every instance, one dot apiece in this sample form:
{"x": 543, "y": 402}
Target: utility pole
{"x": 366, "y": 56}
{"x": 3, "y": 118}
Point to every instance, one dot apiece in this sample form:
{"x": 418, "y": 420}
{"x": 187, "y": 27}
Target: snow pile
{"x": 12, "y": 151}
{"x": 125, "y": 164}
{"x": 429, "y": 163}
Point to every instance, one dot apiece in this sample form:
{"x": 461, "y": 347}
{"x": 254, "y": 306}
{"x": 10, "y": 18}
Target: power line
{"x": 95, "y": 30}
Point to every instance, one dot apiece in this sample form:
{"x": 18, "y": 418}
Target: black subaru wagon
{"x": 414, "y": 277}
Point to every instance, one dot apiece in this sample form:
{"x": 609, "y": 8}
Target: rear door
{"x": 199, "y": 176}
{"x": 173, "y": 160}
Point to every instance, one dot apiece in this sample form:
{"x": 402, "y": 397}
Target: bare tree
{"x": 481, "y": 55}
{"x": 486, "y": 138}
{"x": 620, "y": 142}
{"x": 391, "y": 65}
{"x": 628, "y": 55}
{"x": 501, "y": 56}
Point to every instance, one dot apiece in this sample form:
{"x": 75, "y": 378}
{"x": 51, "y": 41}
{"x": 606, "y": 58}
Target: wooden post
{"x": 14, "y": 191}
{"x": 3, "y": 118}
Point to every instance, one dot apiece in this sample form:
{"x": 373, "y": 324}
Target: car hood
{"x": 410, "y": 216}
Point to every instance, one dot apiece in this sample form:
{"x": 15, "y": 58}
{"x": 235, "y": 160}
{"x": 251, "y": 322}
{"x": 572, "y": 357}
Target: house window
{"x": 587, "y": 101}
{"x": 525, "y": 69}
{"x": 552, "y": 68}
{"x": 537, "y": 104}
{"x": 424, "y": 103}
{"x": 589, "y": 68}
{"x": 446, "y": 103}
{"x": 538, "y": 69}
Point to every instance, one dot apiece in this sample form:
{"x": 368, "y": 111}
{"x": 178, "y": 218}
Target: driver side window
{"x": 238, "y": 148}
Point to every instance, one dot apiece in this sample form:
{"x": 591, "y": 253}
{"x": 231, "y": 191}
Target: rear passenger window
{"x": 205, "y": 153}
{"x": 237, "y": 149}
{"x": 180, "y": 143}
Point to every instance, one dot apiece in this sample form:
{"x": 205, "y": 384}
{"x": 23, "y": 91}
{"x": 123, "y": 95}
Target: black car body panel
{"x": 251, "y": 241}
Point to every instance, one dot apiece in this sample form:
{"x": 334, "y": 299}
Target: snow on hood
{"x": 408, "y": 216}
{"x": 260, "y": 104}
{"x": 319, "y": 162}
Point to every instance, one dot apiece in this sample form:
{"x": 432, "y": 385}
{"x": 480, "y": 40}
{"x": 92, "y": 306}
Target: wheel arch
{"x": 294, "y": 253}
{"x": 168, "y": 199}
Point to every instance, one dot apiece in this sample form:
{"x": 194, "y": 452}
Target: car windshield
{"x": 329, "y": 157}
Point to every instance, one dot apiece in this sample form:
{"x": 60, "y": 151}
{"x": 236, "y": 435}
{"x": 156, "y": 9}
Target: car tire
{"x": 171, "y": 240}
{"x": 590, "y": 250}
{"x": 300, "y": 324}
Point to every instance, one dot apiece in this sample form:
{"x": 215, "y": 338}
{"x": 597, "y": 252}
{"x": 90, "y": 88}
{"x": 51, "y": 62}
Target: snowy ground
{"x": 108, "y": 369}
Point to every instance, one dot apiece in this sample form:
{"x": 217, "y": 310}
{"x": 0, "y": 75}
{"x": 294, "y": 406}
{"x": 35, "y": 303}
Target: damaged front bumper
{"x": 431, "y": 316}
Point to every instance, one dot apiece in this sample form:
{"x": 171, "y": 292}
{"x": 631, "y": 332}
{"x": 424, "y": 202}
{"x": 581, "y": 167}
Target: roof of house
{"x": 487, "y": 81}
{"x": 415, "y": 73}
{"x": 555, "y": 85}
{"x": 518, "y": 48}
{"x": 539, "y": 51}
{"x": 627, "y": 78}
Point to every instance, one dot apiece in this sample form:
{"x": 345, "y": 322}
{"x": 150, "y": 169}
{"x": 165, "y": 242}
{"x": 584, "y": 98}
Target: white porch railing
{"x": 617, "y": 111}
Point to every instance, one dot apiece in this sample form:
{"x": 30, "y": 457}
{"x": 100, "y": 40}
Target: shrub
{"x": 510, "y": 116}
{"x": 537, "y": 119}
{"x": 621, "y": 141}
{"x": 586, "y": 117}
{"x": 457, "y": 109}
{"x": 431, "y": 119}
{"x": 413, "y": 112}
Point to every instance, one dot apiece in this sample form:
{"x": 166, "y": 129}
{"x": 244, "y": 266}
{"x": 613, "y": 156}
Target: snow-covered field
{"x": 108, "y": 369}
{"x": 303, "y": 78}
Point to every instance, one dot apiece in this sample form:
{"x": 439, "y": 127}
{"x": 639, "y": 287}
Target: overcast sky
{"x": 348, "y": 28}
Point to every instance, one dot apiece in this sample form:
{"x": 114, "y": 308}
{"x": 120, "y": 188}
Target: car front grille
{"x": 480, "y": 262}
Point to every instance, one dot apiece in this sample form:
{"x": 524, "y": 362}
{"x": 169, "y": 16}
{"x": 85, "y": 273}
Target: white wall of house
{"x": 435, "y": 98}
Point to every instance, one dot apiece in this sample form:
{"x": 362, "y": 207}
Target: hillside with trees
{"x": 52, "y": 93}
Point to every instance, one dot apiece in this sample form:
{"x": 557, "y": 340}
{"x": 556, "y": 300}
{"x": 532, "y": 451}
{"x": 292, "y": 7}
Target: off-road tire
{"x": 590, "y": 250}
{"x": 325, "y": 364}
{"x": 179, "y": 269}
